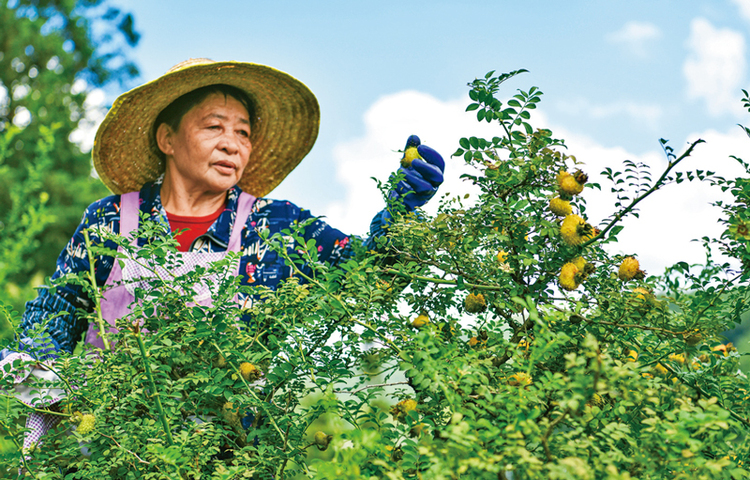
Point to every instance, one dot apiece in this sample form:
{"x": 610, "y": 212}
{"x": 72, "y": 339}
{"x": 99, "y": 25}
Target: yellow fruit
{"x": 568, "y": 275}
{"x": 570, "y": 186}
{"x": 87, "y": 424}
{"x": 641, "y": 293}
{"x": 629, "y": 268}
{"x": 321, "y": 440}
{"x": 632, "y": 355}
{"x": 249, "y": 371}
{"x": 660, "y": 369}
{"x": 502, "y": 256}
{"x": 677, "y": 357}
{"x": 402, "y": 409}
{"x": 475, "y": 303}
{"x": 520, "y": 379}
{"x": 409, "y": 154}
{"x": 574, "y": 230}
{"x": 560, "y": 207}
{"x": 420, "y": 321}
{"x": 579, "y": 262}
{"x": 561, "y": 176}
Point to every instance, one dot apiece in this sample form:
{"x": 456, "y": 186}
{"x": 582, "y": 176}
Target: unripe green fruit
{"x": 321, "y": 440}
{"x": 87, "y": 424}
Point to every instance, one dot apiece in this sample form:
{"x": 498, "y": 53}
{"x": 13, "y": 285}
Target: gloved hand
{"x": 422, "y": 175}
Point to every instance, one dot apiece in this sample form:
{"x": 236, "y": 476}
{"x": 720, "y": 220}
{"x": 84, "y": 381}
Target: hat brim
{"x": 287, "y": 118}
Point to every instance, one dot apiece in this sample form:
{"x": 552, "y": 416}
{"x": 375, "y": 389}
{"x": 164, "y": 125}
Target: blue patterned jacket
{"x": 259, "y": 265}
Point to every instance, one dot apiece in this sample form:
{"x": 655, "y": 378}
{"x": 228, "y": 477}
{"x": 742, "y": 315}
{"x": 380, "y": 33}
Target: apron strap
{"x": 244, "y": 208}
{"x": 129, "y": 208}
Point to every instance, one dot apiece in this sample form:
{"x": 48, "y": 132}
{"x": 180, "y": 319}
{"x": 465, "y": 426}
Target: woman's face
{"x": 211, "y": 148}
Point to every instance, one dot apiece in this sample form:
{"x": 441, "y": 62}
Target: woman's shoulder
{"x": 102, "y": 208}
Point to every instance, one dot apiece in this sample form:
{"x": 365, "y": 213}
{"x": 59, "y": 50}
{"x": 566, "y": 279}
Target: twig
{"x": 658, "y": 184}
{"x": 155, "y": 391}
{"x": 123, "y": 448}
{"x": 97, "y": 294}
{"x": 374, "y": 385}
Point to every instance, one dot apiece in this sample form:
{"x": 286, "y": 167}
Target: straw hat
{"x": 285, "y": 128}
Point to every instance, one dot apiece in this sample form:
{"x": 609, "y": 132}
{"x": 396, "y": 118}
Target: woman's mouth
{"x": 225, "y": 167}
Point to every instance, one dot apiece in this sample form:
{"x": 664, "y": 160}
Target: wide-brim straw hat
{"x": 283, "y": 131}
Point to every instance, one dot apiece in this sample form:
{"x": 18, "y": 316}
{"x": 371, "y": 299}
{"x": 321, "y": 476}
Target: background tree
{"x": 52, "y": 53}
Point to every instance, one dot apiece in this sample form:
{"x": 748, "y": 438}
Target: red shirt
{"x": 196, "y": 226}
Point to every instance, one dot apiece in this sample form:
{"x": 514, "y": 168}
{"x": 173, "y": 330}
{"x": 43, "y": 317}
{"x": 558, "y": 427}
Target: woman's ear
{"x": 164, "y": 139}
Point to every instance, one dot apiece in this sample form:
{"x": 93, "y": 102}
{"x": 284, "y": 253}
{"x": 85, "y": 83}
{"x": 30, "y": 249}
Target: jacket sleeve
{"x": 59, "y": 309}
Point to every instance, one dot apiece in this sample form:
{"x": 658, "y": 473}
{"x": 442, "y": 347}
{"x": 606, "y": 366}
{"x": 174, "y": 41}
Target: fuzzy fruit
{"x": 569, "y": 277}
{"x": 402, "y": 409}
{"x": 249, "y": 371}
{"x": 475, "y": 303}
{"x": 628, "y": 269}
{"x": 321, "y": 440}
{"x": 520, "y": 379}
{"x": 502, "y": 256}
{"x": 569, "y": 186}
{"x": 420, "y": 321}
{"x": 86, "y": 424}
{"x": 560, "y": 207}
{"x": 410, "y": 154}
{"x": 574, "y": 230}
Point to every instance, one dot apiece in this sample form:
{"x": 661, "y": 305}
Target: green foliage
{"x": 45, "y": 47}
{"x": 611, "y": 379}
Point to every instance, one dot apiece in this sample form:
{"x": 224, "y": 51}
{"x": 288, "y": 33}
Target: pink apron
{"x": 121, "y": 283}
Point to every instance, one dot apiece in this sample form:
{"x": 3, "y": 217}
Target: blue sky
{"x": 616, "y": 75}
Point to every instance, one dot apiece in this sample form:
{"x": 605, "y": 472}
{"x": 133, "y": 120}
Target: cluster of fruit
{"x": 574, "y": 230}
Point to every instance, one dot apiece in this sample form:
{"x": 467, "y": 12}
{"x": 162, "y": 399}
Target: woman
{"x": 198, "y": 148}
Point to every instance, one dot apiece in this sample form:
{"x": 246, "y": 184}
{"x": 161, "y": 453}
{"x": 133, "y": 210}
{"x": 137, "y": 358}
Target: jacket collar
{"x": 222, "y": 226}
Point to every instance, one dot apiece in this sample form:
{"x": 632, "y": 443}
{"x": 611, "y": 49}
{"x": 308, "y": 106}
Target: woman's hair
{"x": 173, "y": 113}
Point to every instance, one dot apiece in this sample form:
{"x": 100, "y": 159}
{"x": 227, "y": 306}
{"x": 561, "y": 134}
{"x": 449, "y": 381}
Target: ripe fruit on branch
{"x": 520, "y": 379}
{"x": 249, "y": 371}
{"x": 569, "y": 276}
{"x": 630, "y": 269}
{"x": 402, "y": 409}
{"x": 560, "y": 207}
{"x": 571, "y": 184}
{"x": 420, "y": 321}
{"x": 575, "y": 231}
{"x": 321, "y": 440}
{"x": 475, "y": 303}
{"x": 502, "y": 256}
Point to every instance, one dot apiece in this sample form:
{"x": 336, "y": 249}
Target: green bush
{"x": 530, "y": 360}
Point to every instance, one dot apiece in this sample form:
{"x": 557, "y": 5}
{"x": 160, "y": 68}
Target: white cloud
{"x": 715, "y": 66}
{"x": 744, "y": 8}
{"x": 635, "y": 37}
{"x": 94, "y": 110}
{"x": 643, "y": 113}
{"x": 669, "y": 220}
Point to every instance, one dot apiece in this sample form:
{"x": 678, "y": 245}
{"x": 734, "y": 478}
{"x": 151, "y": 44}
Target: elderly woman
{"x": 197, "y": 149}
{"x": 191, "y": 143}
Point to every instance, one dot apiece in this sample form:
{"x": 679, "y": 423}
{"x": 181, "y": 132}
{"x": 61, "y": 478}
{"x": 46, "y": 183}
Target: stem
{"x": 638, "y": 199}
{"x": 155, "y": 392}
{"x": 441, "y": 281}
{"x": 97, "y": 293}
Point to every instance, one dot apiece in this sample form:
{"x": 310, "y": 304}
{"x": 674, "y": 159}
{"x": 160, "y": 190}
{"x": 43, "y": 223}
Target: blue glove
{"x": 422, "y": 176}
